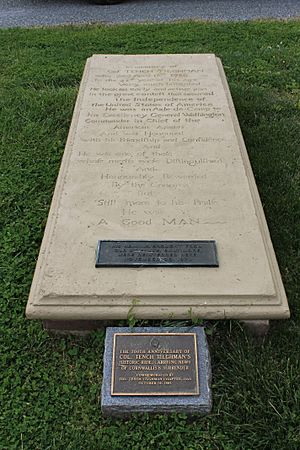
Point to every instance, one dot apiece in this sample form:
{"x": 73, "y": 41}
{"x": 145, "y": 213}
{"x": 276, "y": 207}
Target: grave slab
{"x": 156, "y": 370}
{"x": 155, "y": 153}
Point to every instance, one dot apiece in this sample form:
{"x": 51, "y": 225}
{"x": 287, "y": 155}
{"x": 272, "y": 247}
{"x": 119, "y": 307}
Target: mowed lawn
{"x": 50, "y": 387}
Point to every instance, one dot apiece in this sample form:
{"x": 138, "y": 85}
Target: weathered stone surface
{"x": 155, "y": 152}
{"x": 190, "y": 404}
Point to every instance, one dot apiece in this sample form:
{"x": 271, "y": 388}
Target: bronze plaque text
{"x": 155, "y": 364}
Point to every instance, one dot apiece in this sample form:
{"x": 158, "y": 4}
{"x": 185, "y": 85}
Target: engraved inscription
{"x": 150, "y": 133}
{"x": 155, "y": 364}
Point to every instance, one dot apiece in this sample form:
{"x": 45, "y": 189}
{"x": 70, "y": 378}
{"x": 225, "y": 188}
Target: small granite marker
{"x": 156, "y": 370}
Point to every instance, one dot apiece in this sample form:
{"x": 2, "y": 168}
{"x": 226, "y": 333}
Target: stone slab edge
{"x": 123, "y": 406}
{"x": 284, "y": 307}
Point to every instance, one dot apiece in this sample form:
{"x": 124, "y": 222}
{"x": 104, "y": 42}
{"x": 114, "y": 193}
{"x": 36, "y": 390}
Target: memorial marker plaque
{"x": 155, "y": 364}
{"x": 156, "y": 253}
{"x": 155, "y": 153}
{"x": 156, "y": 370}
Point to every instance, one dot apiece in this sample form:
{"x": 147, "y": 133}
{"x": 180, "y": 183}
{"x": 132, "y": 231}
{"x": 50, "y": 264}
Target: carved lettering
{"x": 145, "y": 154}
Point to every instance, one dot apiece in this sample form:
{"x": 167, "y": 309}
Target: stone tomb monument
{"x": 156, "y": 370}
{"x": 155, "y": 153}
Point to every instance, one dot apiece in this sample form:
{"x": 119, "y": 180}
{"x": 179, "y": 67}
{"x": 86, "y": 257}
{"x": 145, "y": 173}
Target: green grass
{"x": 50, "y": 387}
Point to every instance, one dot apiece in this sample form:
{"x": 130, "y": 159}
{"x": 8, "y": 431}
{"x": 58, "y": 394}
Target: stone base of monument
{"x": 156, "y": 370}
{"x": 256, "y": 328}
{"x": 74, "y": 327}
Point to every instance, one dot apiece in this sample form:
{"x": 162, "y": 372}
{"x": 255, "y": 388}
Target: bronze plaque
{"x": 155, "y": 364}
{"x": 156, "y": 253}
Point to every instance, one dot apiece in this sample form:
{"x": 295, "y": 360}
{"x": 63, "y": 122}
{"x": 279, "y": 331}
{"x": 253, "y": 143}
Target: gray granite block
{"x": 190, "y": 404}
